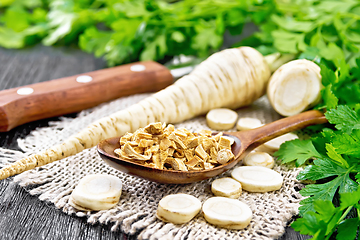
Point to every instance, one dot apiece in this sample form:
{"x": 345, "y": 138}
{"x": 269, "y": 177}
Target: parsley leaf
{"x": 335, "y": 156}
{"x": 323, "y": 168}
{"x": 319, "y": 223}
{"x": 347, "y": 229}
{"x": 329, "y": 98}
{"x": 95, "y": 41}
{"x": 291, "y": 24}
{"x": 328, "y": 76}
{"x": 288, "y": 42}
{"x": 316, "y": 172}
{"x": 17, "y": 18}
{"x": 127, "y": 31}
{"x": 155, "y": 49}
{"x": 297, "y": 150}
{"x": 348, "y": 144}
{"x": 344, "y": 118}
{"x": 327, "y": 220}
{"x": 334, "y": 174}
{"x": 206, "y": 38}
{"x": 328, "y": 26}
{"x": 11, "y": 39}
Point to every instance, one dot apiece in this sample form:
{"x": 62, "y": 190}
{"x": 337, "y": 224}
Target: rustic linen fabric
{"x": 135, "y": 212}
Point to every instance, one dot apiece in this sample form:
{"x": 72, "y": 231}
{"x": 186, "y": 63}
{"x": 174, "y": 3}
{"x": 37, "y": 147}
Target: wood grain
{"x": 67, "y": 95}
{"x": 23, "y": 216}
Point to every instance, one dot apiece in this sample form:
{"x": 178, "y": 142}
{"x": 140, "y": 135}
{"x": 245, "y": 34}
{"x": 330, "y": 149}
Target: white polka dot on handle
{"x": 137, "y": 68}
{"x": 25, "y": 91}
{"x": 84, "y": 79}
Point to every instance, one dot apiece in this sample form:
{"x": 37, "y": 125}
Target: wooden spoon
{"x": 245, "y": 141}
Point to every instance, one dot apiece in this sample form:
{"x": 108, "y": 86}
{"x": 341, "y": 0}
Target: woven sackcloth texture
{"x": 135, "y": 212}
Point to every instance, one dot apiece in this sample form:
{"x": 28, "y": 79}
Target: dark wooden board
{"x": 23, "y": 216}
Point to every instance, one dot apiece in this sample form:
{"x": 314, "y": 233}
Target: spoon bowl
{"x": 245, "y": 141}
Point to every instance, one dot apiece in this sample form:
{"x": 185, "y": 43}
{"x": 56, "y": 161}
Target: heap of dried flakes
{"x": 163, "y": 147}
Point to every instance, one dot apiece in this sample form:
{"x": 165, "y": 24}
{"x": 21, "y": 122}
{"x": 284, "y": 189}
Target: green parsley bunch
{"x": 123, "y": 31}
{"x": 332, "y": 160}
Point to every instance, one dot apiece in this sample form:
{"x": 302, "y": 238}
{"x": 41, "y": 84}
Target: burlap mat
{"x": 135, "y": 213}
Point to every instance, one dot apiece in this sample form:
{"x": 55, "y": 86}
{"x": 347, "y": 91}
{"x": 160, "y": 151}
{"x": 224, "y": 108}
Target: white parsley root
{"x": 221, "y": 119}
{"x": 229, "y": 79}
{"x": 227, "y": 213}
{"x": 274, "y": 144}
{"x": 247, "y": 123}
{"x": 96, "y": 192}
{"x": 257, "y": 179}
{"x": 178, "y": 208}
{"x": 295, "y": 87}
{"x": 262, "y": 159}
{"x": 226, "y": 187}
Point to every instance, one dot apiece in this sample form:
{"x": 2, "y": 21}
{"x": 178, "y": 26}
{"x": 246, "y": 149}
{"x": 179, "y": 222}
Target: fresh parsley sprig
{"x": 123, "y": 31}
{"x": 327, "y": 219}
{"x": 320, "y": 30}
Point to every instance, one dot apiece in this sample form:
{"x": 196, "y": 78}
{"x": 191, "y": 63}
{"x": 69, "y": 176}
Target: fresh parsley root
{"x": 295, "y": 87}
{"x": 231, "y": 78}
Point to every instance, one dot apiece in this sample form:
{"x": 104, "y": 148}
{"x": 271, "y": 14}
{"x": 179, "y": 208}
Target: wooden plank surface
{"x": 23, "y": 216}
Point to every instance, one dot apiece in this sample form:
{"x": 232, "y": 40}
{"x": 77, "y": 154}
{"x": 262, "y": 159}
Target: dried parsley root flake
{"x": 162, "y": 146}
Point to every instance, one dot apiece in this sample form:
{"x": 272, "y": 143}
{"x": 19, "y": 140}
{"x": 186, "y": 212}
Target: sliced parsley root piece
{"x": 295, "y": 87}
{"x": 178, "y": 208}
{"x": 96, "y": 192}
{"x": 231, "y": 78}
{"x": 227, "y": 213}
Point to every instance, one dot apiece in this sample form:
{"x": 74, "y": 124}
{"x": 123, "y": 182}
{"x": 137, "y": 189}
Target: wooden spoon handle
{"x": 250, "y": 139}
{"x": 73, "y": 94}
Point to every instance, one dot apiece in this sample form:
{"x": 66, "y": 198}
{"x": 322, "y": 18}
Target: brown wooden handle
{"x": 250, "y": 139}
{"x": 73, "y": 94}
